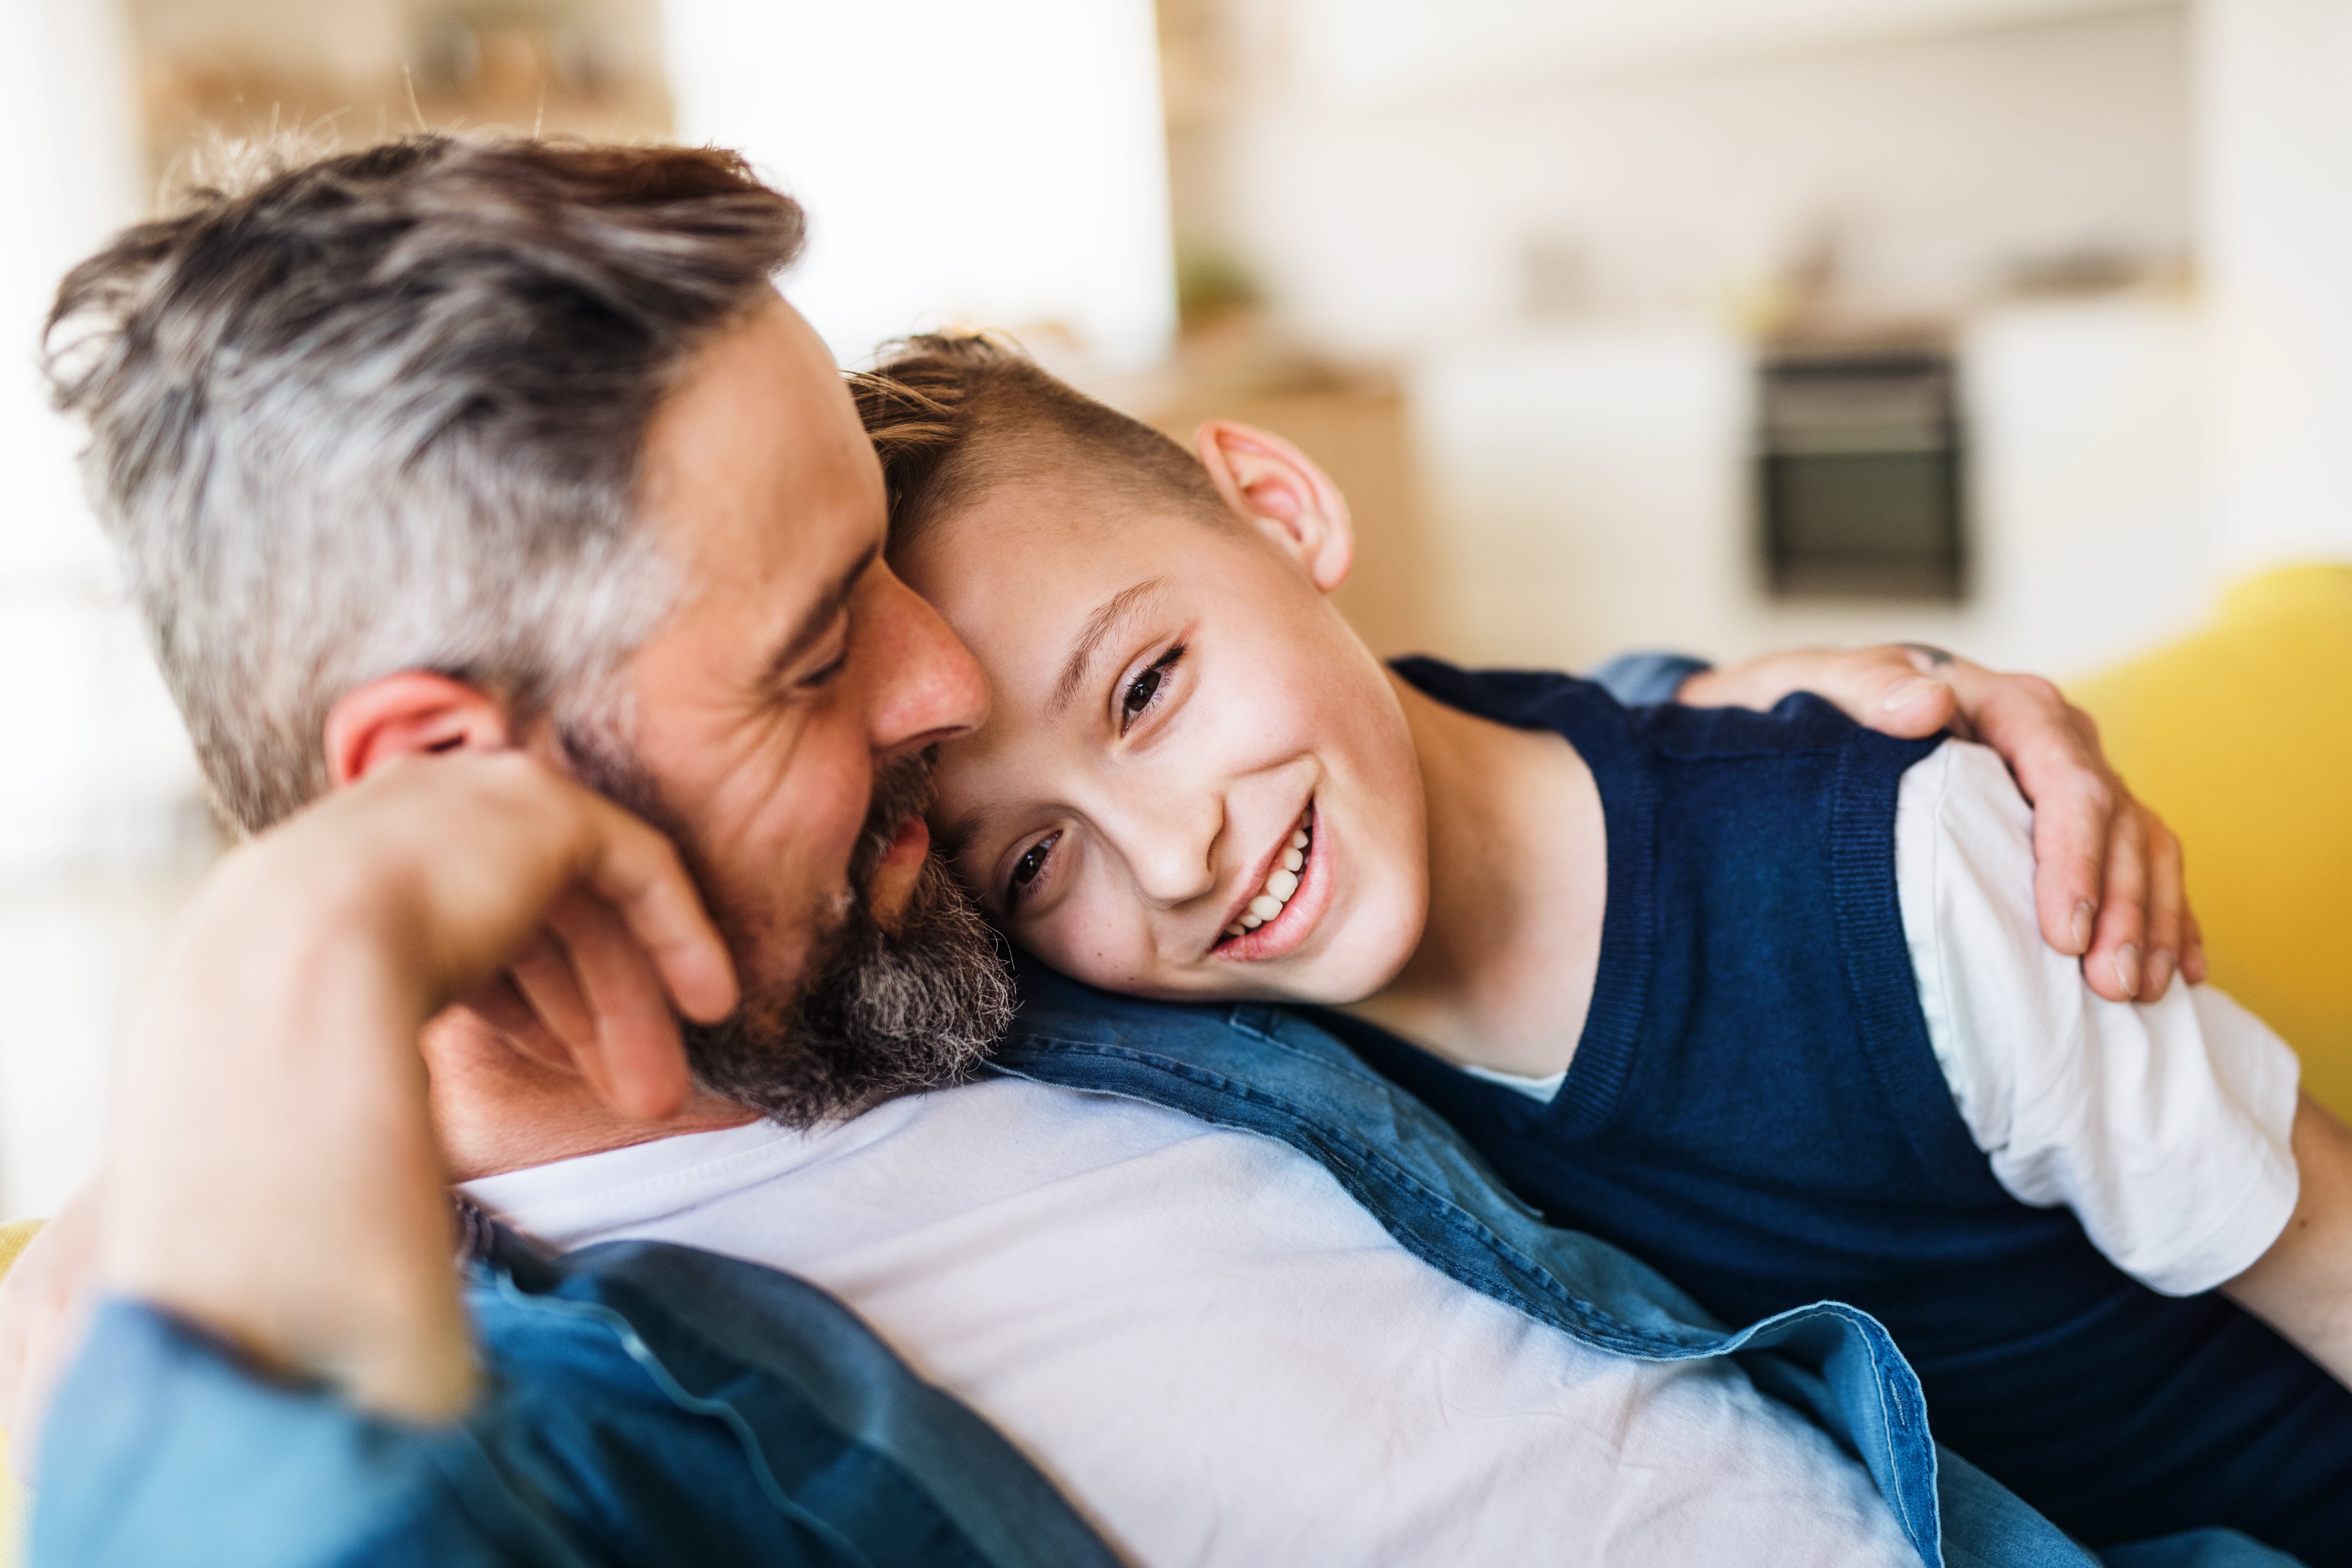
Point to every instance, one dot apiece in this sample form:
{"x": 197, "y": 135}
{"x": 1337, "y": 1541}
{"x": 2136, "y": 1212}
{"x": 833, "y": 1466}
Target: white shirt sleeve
{"x": 2164, "y": 1127}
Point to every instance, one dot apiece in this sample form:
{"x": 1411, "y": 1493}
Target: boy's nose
{"x": 928, "y": 687}
{"x": 1165, "y": 831}
{"x": 1173, "y": 876}
{"x": 1169, "y": 851}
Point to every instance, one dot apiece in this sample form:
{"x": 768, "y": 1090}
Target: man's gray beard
{"x": 877, "y": 1012}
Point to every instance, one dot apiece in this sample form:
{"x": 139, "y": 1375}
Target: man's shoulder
{"x": 1052, "y": 1007}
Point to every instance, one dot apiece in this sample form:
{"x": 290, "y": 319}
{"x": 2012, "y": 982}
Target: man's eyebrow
{"x": 815, "y": 619}
{"x": 1091, "y": 637}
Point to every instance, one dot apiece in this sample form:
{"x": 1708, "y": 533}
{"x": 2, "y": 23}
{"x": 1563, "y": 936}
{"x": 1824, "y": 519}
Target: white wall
{"x": 2275, "y": 82}
{"x": 1589, "y": 489}
{"x": 1362, "y": 51}
{"x": 1396, "y": 223}
{"x": 1000, "y": 165}
{"x": 97, "y": 814}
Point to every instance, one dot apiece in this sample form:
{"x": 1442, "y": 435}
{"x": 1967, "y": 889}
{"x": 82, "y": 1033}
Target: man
{"x": 446, "y": 470}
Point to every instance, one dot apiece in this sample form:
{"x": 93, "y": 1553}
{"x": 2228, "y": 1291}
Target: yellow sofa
{"x": 2241, "y": 735}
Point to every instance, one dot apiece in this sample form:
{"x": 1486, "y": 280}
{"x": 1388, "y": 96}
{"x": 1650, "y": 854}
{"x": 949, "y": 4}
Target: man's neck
{"x": 498, "y": 1109}
{"x": 1518, "y": 886}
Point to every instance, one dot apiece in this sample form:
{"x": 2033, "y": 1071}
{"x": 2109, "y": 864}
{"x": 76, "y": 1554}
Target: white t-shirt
{"x": 2165, "y": 1127}
{"x": 1216, "y": 1354}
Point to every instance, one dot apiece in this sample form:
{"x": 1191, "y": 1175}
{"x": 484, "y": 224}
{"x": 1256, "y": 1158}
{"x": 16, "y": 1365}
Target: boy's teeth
{"x": 1280, "y": 884}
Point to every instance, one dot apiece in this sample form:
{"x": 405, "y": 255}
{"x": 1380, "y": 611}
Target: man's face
{"x": 796, "y": 673}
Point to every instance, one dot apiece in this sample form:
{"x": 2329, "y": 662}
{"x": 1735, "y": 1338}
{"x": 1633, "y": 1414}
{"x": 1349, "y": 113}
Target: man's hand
{"x": 277, "y": 1179}
{"x": 2107, "y": 880}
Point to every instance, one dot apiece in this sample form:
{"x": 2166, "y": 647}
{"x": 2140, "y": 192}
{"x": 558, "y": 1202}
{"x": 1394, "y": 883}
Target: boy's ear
{"x": 410, "y": 714}
{"x": 1271, "y": 483}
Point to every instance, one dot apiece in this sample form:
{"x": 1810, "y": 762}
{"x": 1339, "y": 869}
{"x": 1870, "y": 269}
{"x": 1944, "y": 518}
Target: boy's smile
{"x": 1195, "y": 780}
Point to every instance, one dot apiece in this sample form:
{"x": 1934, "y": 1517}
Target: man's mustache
{"x": 903, "y": 790}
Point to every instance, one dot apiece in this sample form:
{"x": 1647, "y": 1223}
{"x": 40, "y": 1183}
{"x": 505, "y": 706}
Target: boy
{"x": 1759, "y": 998}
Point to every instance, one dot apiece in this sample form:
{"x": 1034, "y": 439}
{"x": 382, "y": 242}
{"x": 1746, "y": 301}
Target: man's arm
{"x": 278, "y": 1183}
{"x": 2302, "y": 1286}
{"x": 2108, "y": 872}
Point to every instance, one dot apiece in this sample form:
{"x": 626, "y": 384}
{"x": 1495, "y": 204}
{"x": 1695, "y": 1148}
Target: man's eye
{"x": 1144, "y": 690}
{"x": 1029, "y": 867}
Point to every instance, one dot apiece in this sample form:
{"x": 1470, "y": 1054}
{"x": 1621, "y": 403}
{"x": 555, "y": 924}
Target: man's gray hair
{"x": 386, "y": 411}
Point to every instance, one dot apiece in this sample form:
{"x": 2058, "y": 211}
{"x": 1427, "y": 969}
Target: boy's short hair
{"x": 386, "y": 411}
{"x": 952, "y": 414}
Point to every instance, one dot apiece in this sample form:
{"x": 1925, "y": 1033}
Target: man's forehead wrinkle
{"x": 1106, "y": 619}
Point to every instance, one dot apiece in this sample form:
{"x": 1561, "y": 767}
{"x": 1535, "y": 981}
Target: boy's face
{"x": 1174, "y": 699}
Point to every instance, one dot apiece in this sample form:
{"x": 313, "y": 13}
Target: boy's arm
{"x": 2108, "y": 879}
{"x": 2302, "y": 1286}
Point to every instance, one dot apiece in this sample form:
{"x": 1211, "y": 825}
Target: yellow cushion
{"x": 13, "y": 1239}
{"x": 2240, "y": 736}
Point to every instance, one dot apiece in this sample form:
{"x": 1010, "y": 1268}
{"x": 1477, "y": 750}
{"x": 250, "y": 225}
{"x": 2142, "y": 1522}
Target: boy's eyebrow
{"x": 1106, "y": 618}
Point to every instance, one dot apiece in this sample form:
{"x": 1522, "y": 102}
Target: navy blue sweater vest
{"x": 1754, "y": 1108}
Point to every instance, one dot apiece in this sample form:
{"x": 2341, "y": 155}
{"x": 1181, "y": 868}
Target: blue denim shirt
{"x": 644, "y": 1404}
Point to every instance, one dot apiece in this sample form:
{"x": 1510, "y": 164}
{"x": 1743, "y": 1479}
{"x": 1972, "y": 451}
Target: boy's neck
{"x": 1518, "y": 885}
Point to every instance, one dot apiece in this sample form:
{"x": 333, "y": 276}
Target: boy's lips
{"x": 1285, "y": 932}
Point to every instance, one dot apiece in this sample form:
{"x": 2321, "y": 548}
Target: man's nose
{"x": 927, "y": 687}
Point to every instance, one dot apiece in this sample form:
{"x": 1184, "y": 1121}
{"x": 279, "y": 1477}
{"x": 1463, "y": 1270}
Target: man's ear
{"x": 1271, "y": 483}
{"x": 407, "y": 715}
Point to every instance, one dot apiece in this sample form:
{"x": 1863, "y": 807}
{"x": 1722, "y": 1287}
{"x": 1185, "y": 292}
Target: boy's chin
{"x": 1350, "y": 962}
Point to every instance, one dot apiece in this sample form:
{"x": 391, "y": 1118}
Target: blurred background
{"x": 2021, "y": 326}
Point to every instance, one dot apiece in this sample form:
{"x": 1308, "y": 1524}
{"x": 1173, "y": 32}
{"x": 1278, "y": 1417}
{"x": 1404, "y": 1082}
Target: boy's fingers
{"x": 2192, "y": 946}
{"x": 1911, "y": 705}
{"x": 2167, "y": 904}
{"x": 2086, "y": 833}
{"x": 2071, "y": 845}
{"x": 1875, "y": 687}
{"x": 2117, "y": 965}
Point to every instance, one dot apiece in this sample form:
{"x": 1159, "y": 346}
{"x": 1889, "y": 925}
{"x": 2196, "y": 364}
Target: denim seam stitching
{"x": 727, "y": 1414}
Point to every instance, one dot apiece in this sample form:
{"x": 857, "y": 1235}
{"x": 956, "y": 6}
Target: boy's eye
{"x": 1144, "y": 690}
{"x": 1026, "y": 870}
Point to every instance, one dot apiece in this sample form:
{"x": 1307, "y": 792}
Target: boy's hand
{"x": 2107, "y": 879}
